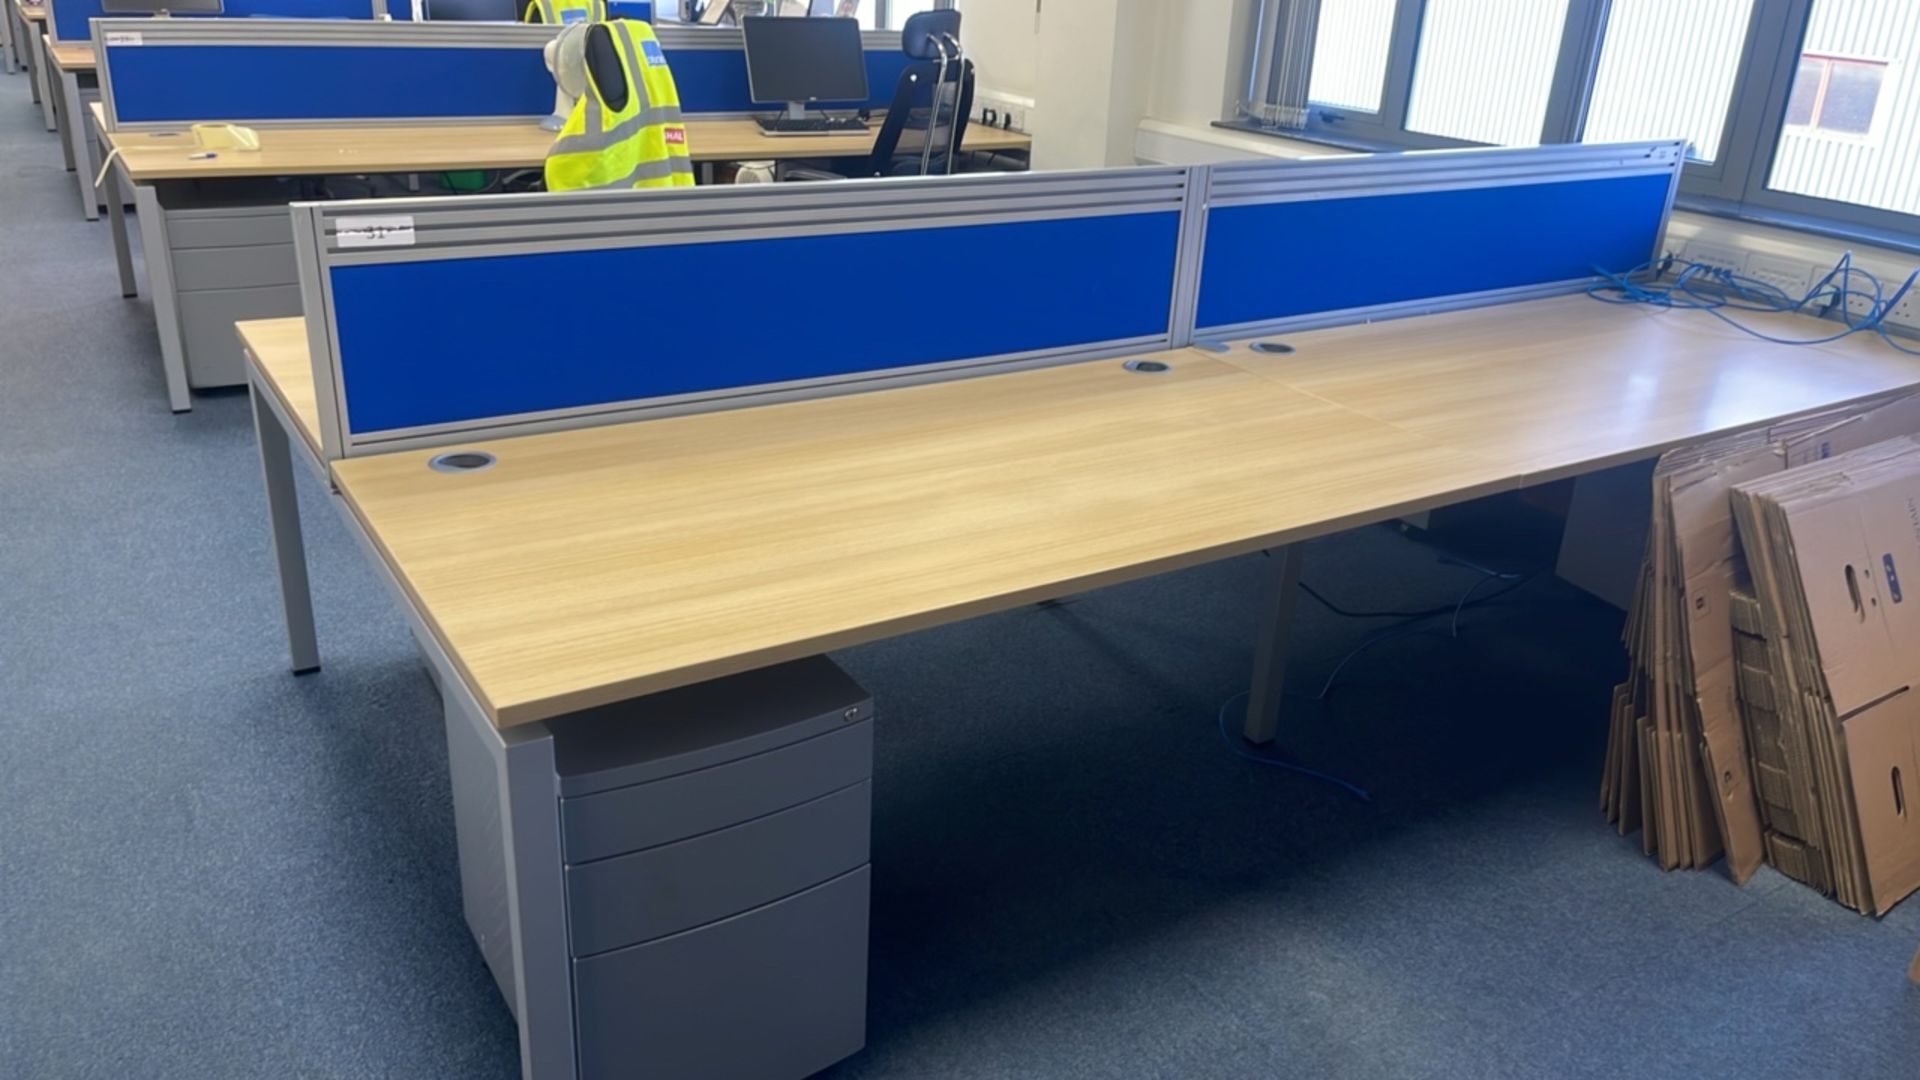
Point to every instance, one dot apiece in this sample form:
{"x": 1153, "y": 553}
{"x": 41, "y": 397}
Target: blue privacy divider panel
{"x": 1276, "y": 260}
{"x": 715, "y": 80}
{"x": 461, "y": 339}
{"x": 71, "y": 16}
{"x": 631, "y": 9}
{"x": 186, "y": 83}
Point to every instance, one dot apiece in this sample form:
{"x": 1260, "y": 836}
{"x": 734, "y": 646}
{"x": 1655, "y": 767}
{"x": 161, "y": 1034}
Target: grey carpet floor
{"x": 210, "y": 869}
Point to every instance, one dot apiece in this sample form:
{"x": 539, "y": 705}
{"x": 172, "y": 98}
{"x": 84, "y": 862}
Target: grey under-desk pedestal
{"x": 713, "y": 844}
{"x": 218, "y": 252}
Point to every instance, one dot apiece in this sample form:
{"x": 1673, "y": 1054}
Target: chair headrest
{"x": 920, "y": 38}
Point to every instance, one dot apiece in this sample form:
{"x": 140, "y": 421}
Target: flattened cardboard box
{"x": 1853, "y": 538}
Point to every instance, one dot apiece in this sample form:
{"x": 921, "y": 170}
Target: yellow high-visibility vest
{"x": 642, "y": 145}
{"x": 564, "y": 11}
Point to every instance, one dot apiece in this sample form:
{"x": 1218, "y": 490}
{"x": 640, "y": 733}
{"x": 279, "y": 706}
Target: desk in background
{"x": 12, "y": 33}
{"x": 74, "y": 69}
{"x": 218, "y": 245}
{"x": 215, "y": 232}
{"x": 29, "y": 46}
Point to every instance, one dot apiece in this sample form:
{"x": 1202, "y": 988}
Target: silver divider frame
{"x": 316, "y": 300}
{"x": 1186, "y": 272}
{"x": 1258, "y": 183}
{"x": 492, "y": 225}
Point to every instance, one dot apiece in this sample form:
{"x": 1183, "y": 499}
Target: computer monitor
{"x": 473, "y": 10}
{"x": 155, "y": 7}
{"x": 796, "y": 61}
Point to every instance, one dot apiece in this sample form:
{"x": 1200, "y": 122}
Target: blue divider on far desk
{"x": 438, "y": 342}
{"x": 1271, "y": 261}
{"x": 166, "y": 83}
{"x": 187, "y": 83}
{"x": 70, "y": 19}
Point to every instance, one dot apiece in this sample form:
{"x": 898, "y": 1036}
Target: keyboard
{"x": 811, "y": 125}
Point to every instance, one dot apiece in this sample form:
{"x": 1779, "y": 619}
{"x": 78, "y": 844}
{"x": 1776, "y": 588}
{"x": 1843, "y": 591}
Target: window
{"x": 1835, "y": 94}
{"x": 1851, "y": 131}
{"x": 1798, "y": 112}
{"x": 1350, "y": 54}
{"x": 1667, "y": 70}
{"x": 1484, "y": 69}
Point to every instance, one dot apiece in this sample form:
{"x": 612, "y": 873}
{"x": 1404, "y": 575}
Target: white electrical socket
{"x": 1720, "y": 258}
{"x": 1907, "y": 313}
{"x": 1007, "y": 108}
{"x": 1790, "y": 277}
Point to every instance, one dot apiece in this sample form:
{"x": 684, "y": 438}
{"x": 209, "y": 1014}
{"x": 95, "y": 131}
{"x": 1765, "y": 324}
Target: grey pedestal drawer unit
{"x": 715, "y": 846}
{"x": 228, "y": 263}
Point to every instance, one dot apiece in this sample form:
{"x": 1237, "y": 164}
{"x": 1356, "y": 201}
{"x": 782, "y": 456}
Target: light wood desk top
{"x": 434, "y": 148}
{"x": 279, "y": 346}
{"x": 74, "y": 58}
{"x": 35, "y": 13}
{"x": 595, "y": 565}
{"x": 1557, "y": 387}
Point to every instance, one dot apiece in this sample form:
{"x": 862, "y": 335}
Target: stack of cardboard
{"x": 1827, "y": 544}
{"x": 1664, "y": 774}
{"x": 1790, "y": 815}
{"x": 1679, "y": 765}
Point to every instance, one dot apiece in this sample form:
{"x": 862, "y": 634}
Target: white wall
{"x": 1097, "y": 68}
{"x": 1002, "y": 37}
{"x": 1200, "y": 64}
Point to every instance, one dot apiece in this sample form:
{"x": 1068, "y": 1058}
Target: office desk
{"x": 592, "y": 566}
{"x": 30, "y": 44}
{"x": 73, "y": 68}
{"x": 230, "y": 197}
{"x": 12, "y": 38}
{"x": 148, "y": 156}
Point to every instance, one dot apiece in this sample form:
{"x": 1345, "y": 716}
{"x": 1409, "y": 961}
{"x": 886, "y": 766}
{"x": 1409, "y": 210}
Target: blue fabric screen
{"x": 71, "y": 16}
{"x": 463, "y": 339}
{"x": 1276, "y": 260}
{"x": 186, "y": 83}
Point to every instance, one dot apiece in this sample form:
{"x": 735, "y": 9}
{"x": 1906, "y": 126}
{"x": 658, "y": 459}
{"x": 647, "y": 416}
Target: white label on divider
{"x": 125, "y": 37}
{"x": 392, "y": 231}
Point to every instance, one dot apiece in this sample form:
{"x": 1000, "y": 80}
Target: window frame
{"x": 1732, "y": 184}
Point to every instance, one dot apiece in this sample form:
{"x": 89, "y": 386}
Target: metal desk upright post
{"x": 42, "y": 77}
{"x": 8, "y": 57}
{"x": 70, "y": 63}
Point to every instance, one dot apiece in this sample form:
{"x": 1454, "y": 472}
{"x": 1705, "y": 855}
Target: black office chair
{"x": 927, "y": 118}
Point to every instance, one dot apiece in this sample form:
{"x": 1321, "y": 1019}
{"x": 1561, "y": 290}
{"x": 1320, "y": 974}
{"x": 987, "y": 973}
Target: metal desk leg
{"x": 289, "y": 553}
{"x": 117, "y": 225}
{"x": 506, "y": 803}
{"x": 8, "y": 58}
{"x": 73, "y": 126}
{"x": 43, "y": 80}
{"x": 536, "y": 905}
{"x": 1270, "y": 649}
{"x": 166, "y": 314}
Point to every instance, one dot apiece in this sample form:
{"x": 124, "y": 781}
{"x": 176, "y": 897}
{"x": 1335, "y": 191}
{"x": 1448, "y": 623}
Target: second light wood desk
{"x": 232, "y": 197}
{"x": 595, "y": 566}
{"x": 13, "y": 50}
{"x": 29, "y": 47}
{"x": 77, "y": 85}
